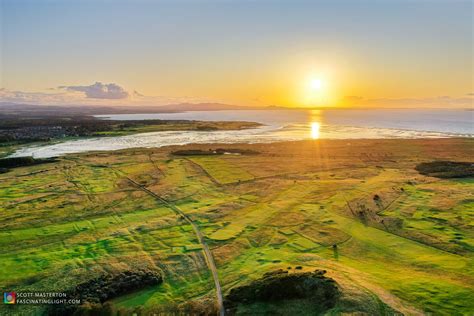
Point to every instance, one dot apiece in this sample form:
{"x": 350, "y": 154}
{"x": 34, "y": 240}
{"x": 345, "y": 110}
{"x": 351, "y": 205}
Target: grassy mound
{"x": 309, "y": 290}
{"x": 446, "y": 169}
{"x": 211, "y": 152}
{"x": 194, "y": 152}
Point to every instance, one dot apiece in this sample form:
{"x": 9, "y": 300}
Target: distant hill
{"x": 207, "y": 107}
{"x": 7, "y": 108}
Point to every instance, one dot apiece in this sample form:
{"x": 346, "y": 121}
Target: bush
{"x": 446, "y": 169}
{"x": 9, "y": 163}
{"x": 280, "y": 285}
{"x": 194, "y": 152}
{"x": 94, "y": 292}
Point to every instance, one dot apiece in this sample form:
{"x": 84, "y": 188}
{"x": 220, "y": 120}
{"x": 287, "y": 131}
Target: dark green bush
{"x": 446, "y": 169}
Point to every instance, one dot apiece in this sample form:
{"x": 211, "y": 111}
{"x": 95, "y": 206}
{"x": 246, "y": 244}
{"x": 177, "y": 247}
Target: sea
{"x": 277, "y": 125}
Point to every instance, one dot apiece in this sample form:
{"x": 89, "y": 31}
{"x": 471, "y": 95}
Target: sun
{"x": 316, "y": 84}
{"x": 315, "y": 90}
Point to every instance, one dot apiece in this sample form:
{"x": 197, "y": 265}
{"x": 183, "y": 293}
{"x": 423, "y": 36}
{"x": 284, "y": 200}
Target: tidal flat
{"x": 392, "y": 239}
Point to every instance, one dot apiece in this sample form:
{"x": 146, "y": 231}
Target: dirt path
{"x": 155, "y": 165}
{"x": 207, "y": 252}
{"x": 204, "y": 171}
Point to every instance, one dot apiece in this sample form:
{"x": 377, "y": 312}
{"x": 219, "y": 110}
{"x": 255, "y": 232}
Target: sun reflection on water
{"x": 315, "y": 126}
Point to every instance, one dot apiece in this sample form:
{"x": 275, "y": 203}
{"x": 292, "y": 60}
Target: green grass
{"x": 176, "y": 126}
{"x": 80, "y": 215}
{"x": 223, "y": 170}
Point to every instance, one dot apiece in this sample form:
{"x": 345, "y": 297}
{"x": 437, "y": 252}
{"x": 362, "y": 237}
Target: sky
{"x": 382, "y": 53}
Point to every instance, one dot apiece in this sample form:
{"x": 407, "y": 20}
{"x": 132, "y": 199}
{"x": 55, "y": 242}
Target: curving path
{"x": 207, "y": 252}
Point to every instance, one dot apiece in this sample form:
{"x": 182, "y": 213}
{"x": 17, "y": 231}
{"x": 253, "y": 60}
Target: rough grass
{"x": 282, "y": 209}
{"x": 160, "y": 126}
{"x": 222, "y": 170}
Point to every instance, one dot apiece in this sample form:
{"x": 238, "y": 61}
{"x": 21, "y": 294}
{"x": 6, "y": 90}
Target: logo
{"x": 9, "y": 297}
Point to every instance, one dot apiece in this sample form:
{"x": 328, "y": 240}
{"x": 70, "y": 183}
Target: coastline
{"x": 86, "y": 133}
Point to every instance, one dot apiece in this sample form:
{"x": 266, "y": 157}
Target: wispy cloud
{"x": 15, "y": 96}
{"x": 95, "y": 94}
{"x": 100, "y": 90}
{"x": 112, "y": 94}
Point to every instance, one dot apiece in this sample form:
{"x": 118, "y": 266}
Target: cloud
{"x": 114, "y": 95}
{"x": 14, "y": 96}
{"x": 110, "y": 94}
{"x": 353, "y": 98}
{"x": 99, "y": 90}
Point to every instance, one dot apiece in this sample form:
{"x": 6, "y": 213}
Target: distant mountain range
{"x": 57, "y": 110}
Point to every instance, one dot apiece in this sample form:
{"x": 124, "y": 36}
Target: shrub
{"x": 446, "y": 169}
{"x": 281, "y": 285}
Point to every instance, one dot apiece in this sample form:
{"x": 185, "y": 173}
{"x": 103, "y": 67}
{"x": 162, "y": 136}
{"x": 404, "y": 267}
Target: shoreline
{"x": 147, "y": 126}
{"x": 318, "y": 142}
{"x": 52, "y": 137}
{"x": 26, "y": 150}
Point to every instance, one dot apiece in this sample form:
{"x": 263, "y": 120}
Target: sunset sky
{"x": 290, "y": 53}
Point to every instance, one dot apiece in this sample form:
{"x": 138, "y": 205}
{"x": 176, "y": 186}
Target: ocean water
{"x": 279, "y": 125}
